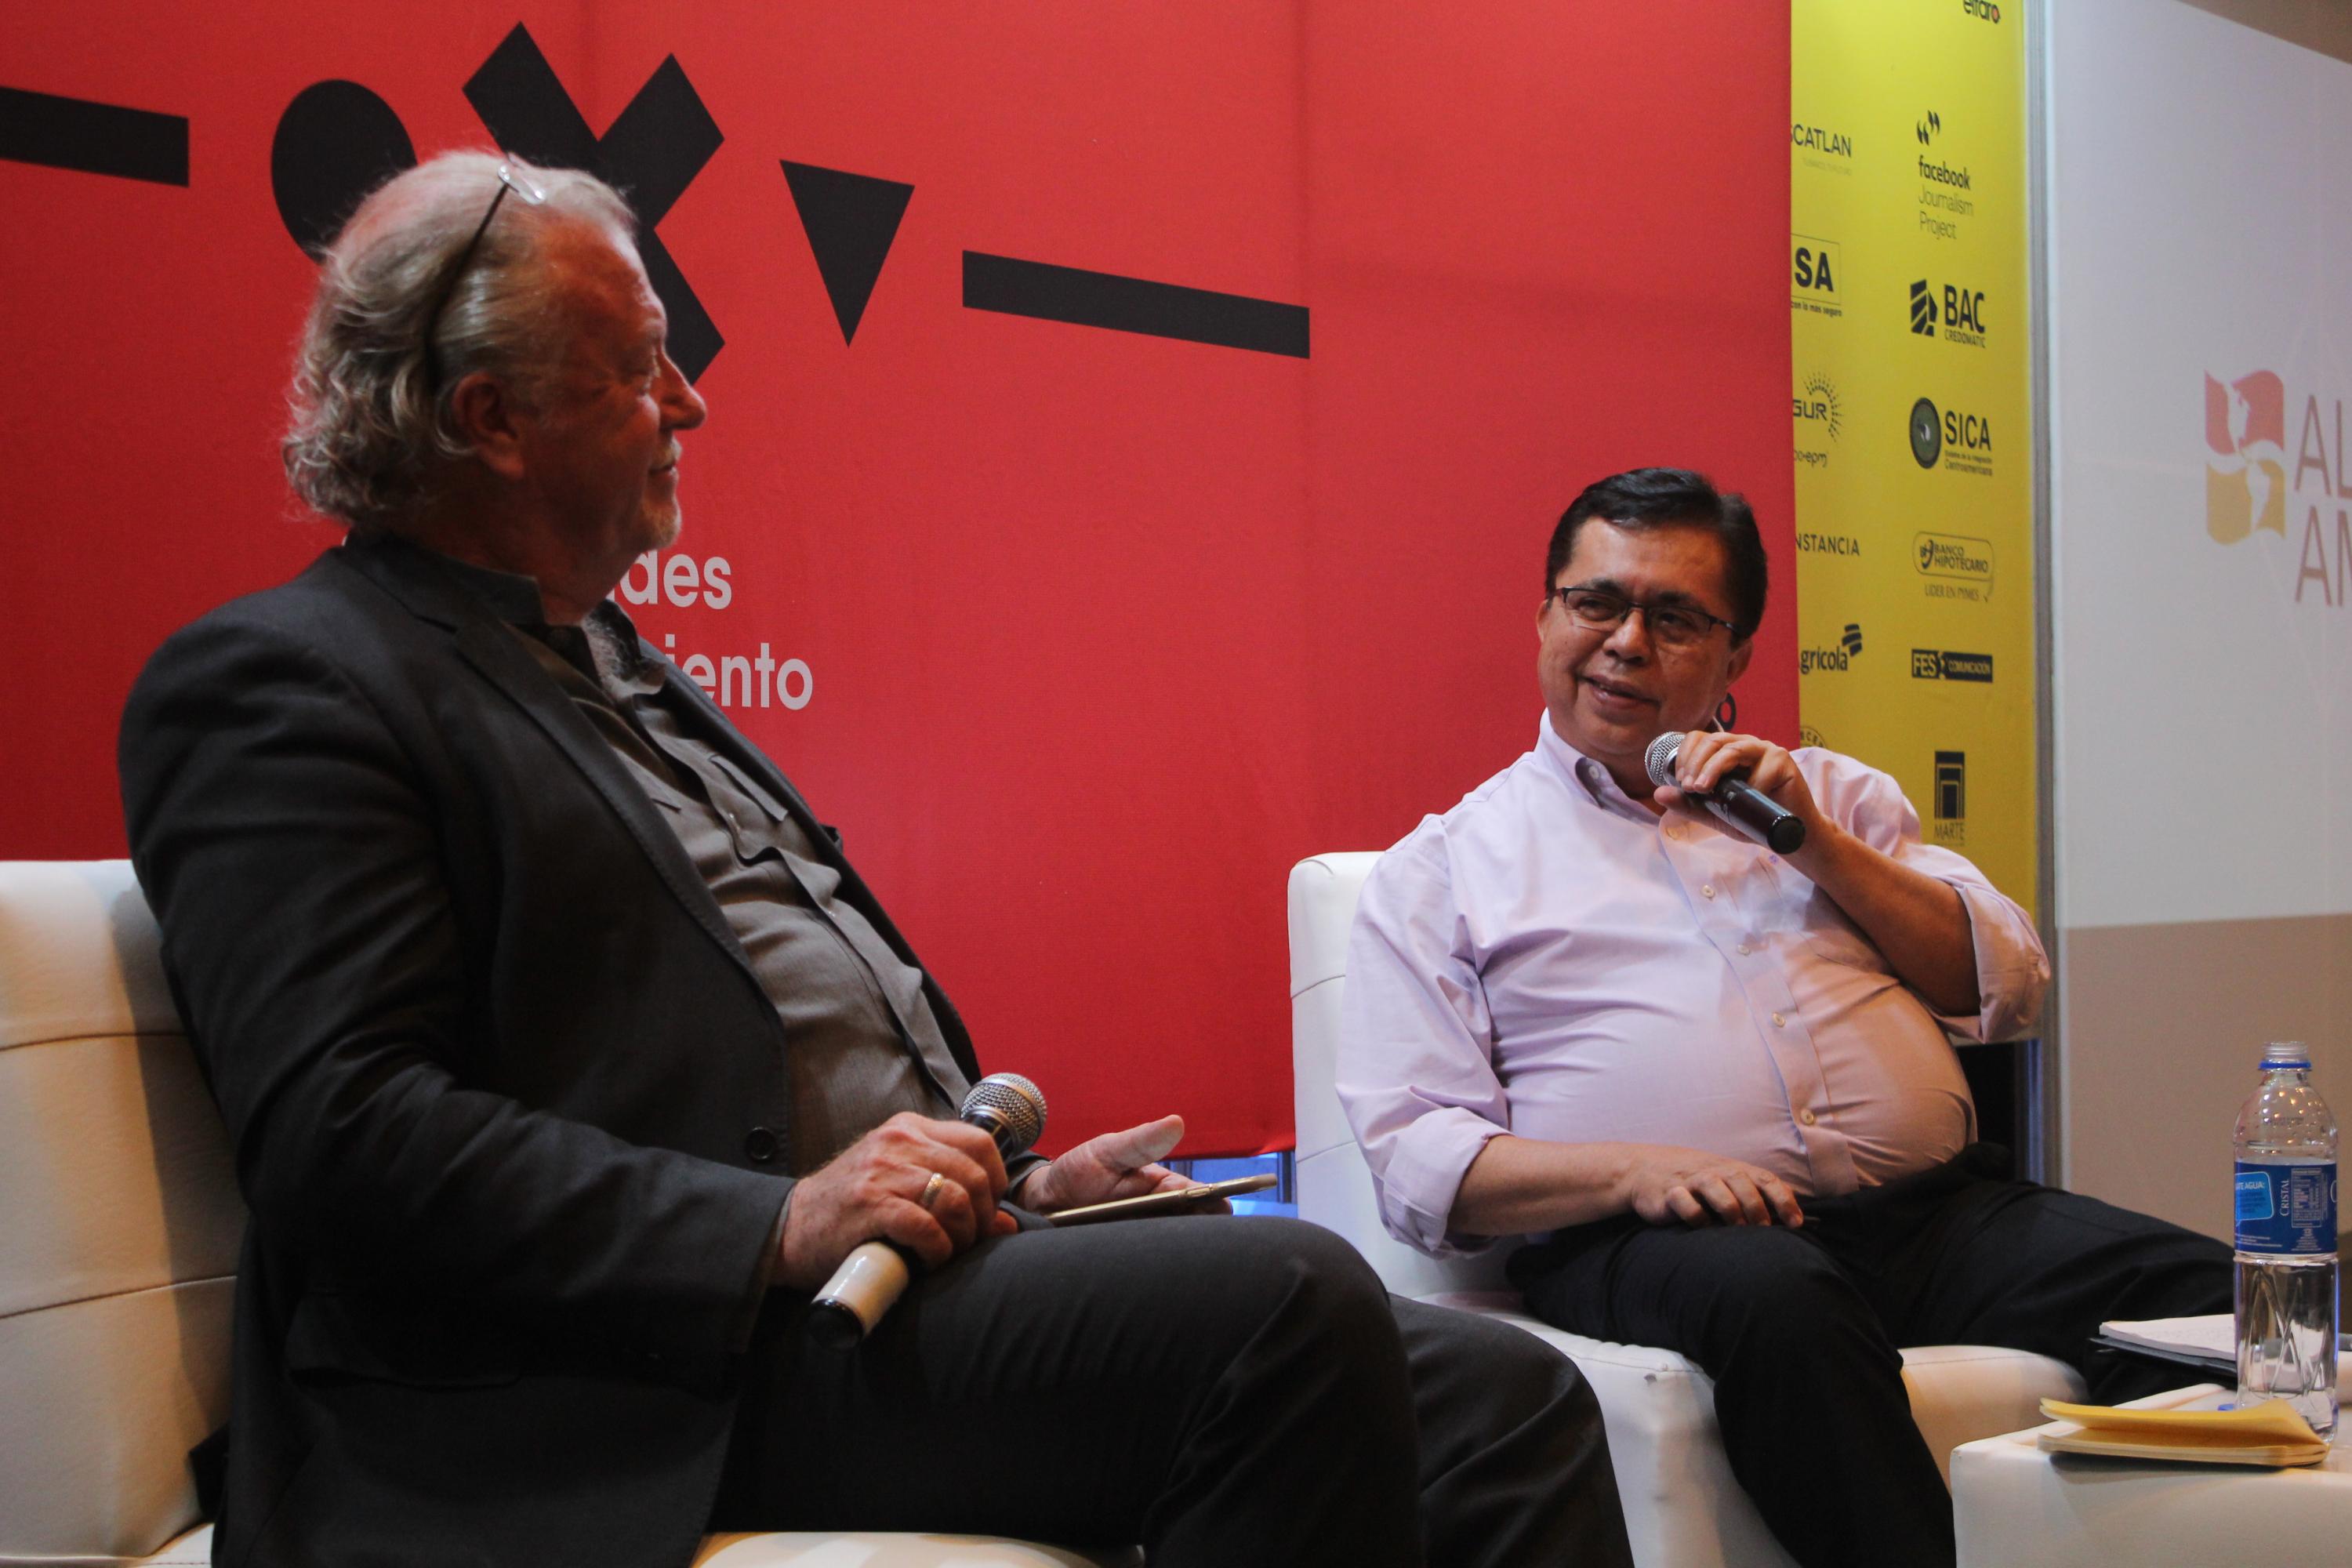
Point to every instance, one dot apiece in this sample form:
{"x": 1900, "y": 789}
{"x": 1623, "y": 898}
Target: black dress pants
{"x": 1226, "y": 1392}
{"x": 1800, "y": 1328}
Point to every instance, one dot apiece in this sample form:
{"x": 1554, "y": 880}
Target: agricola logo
{"x": 2245, "y": 457}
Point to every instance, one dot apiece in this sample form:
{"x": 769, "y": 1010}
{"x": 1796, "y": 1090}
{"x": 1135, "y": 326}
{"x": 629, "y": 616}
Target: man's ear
{"x": 487, "y": 417}
{"x": 1740, "y": 657}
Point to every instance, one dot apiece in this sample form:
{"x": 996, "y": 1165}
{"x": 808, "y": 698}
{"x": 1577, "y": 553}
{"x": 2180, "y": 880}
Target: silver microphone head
{"x": 1658, "y": 762}
{"x": 1011, "y": 1108}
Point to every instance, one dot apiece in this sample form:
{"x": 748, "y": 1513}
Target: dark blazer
{"x": 510, "y": 1110}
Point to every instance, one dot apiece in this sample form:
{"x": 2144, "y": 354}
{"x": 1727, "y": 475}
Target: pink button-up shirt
{"x": 1552, "y": 960}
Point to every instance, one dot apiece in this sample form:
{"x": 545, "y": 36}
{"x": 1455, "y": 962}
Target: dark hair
{"x": 1642, "y": 498}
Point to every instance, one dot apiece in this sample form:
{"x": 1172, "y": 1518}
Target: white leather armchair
{"x": 1683, "y": 1508}
{"x": 119, "y": 1222}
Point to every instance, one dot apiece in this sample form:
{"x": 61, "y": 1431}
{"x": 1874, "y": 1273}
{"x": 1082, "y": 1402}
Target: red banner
{"x": 1135, "y": 430}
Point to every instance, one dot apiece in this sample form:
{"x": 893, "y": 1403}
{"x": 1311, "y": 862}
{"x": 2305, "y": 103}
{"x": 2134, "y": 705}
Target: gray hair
{"x": 371, "y": 431}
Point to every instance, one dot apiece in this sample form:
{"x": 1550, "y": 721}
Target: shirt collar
{"x": 515, "y": 599}
{"x": 1591, "y": 776}
{"x": 510, "y": 595}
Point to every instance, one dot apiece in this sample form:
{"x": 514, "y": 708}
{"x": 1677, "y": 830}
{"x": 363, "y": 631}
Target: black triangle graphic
{"x": 851, "y": 220}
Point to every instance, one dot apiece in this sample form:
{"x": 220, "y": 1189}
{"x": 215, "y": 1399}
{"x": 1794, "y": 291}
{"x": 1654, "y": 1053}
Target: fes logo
{"x": 2245, "y": 473}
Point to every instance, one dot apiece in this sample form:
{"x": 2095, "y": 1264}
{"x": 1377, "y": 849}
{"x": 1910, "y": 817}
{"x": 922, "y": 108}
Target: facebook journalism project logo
{"x": 2245, "y": 457}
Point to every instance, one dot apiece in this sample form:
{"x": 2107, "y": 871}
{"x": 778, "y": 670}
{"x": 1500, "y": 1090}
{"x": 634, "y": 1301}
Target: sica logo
{"x": 1962, "y": 441}
{"x": 2245, "y": 457}
{"x": 1813, "y": 659}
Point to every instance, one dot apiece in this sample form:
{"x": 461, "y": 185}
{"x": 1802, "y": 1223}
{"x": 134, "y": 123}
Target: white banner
{"x": 2201, "y": 312}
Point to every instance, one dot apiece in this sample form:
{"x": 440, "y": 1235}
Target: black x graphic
{"x": 651, "y": 153}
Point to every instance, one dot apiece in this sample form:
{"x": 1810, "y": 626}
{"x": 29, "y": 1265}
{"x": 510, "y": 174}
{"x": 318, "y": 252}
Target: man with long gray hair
{"x": 565, "y": 1054}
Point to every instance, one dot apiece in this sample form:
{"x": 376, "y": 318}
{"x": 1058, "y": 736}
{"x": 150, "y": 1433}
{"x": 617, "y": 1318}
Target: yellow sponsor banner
{"x": 1911, "y": 409}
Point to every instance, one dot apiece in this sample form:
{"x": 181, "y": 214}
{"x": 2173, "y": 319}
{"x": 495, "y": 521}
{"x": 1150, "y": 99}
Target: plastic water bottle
{"x": 2287, "y": 1241}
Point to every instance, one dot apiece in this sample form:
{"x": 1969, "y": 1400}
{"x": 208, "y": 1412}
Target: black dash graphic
{"x": 1106, "y": 299}
{"x": 93, "y": 137}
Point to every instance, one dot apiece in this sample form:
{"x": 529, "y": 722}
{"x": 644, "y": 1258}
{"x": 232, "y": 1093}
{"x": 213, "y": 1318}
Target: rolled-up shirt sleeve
{"x": 1416, "y": 1074}
{"x": 2012, "y": 970}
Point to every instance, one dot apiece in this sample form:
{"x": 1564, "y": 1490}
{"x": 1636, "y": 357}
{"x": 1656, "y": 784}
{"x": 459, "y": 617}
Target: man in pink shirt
{"x": 1581, "y": 1005}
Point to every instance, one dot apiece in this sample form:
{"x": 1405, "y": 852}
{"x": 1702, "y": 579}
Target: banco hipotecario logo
{"x": 1957, "y": 566}
{"x": 2245, "y": 457}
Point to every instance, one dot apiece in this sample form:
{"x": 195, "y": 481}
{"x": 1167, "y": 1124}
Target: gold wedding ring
{"x": 931, "y": 1189}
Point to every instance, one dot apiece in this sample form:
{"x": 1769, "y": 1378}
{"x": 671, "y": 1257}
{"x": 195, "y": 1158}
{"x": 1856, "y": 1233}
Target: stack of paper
{"x": 2267, "y": 1434}
{"x": 2210, "y": 1343}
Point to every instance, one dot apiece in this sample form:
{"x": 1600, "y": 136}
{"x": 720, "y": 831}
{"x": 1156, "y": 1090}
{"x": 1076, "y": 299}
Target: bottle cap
{"x": 2286, "y": 1054}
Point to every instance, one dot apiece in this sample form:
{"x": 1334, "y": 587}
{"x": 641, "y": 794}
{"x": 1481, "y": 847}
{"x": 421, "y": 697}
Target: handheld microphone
{"x": 1012, "y": 1110}
{"x": 1735, "y": 800}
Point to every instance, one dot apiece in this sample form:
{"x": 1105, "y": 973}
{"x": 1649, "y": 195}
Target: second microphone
{"x": 1012, "y": 1110}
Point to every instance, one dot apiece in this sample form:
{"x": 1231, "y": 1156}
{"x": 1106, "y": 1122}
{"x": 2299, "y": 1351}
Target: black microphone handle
{"x": 1757, "y": 815}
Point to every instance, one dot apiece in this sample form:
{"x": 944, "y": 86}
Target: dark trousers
{"x": 1799, "y": 1328}
{"x": 1226, "y": 1392}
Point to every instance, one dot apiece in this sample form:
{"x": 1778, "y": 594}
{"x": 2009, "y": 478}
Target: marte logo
{"x": 1813, "y": 660}
{"x": 1932, "y": 663}
{"x": 2245, "y": 457}
{"x": 1951, "y": 796}
{"x": 1817, "y": 404}
{"x": 1814, "y": 267}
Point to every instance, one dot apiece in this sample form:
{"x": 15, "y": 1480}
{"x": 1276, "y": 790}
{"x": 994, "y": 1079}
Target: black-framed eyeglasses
{"x": 1677, "y": 626}
{"x": 509, "y": 179}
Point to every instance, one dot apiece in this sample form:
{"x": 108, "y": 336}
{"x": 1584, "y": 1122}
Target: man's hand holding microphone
{"x": 920, "y": 1190}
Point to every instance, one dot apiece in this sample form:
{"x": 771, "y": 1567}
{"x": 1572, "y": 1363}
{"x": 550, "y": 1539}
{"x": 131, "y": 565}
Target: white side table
{"x": 2014, "y": 1506}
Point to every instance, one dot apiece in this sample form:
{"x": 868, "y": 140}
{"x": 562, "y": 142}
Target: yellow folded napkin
{"x": 2271, "y": 1433}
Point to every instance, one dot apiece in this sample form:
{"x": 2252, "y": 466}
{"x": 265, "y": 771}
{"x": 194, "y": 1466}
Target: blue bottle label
{"x": 2286, "y": 1208}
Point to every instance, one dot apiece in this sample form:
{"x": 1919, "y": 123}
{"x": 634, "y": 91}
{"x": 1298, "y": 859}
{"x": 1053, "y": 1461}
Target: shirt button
{"x": 1778, "y": 1022}
{"x": 1744, "y": 950}
{"x": 761, "y": 1145}
{"x": 1674, "y": 833}
{"x": 1708, "y": 889}
{"x": 1806, "y": 1116}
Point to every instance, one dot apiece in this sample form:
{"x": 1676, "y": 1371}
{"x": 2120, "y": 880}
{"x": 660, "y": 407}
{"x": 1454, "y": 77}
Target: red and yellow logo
{"x": 2245, "y": 457}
